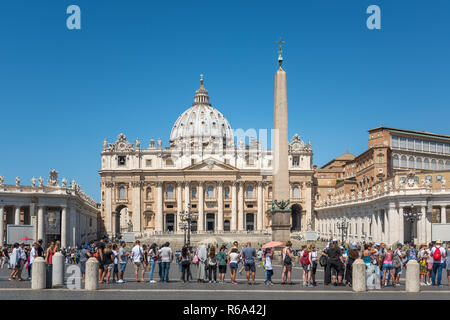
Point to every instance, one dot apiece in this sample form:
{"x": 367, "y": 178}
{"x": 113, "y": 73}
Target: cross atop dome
{"x": 201, "y": 78}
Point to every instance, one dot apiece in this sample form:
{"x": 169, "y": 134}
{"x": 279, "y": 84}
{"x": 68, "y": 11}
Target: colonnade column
{"x": 64, "y": 227}
{"x": 401, "y": 226}
{"x": 233, "y": 207}
{"x": 41, "y": 225}
{"x": 220, "y": 206}
{"x": 420, "y": 229}
{"x": 241, "y": 206}
{"x": 2, "y": 217}
{"x": 159, "y": 208}
{"x": 17, "y": 215}
{"x": 260, "y": 215}
{"x": 391, "y": 230}
{"x": 179, "y": 207}
{"x": 201, "y": 217}
{"x": 423, "y": 222}
{"x": 443, "y": 214}
{"x": 186, "y": 196}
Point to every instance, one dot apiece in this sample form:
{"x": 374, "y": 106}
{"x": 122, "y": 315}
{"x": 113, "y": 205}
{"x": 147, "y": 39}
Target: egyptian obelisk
{"x": 281, "y": 211}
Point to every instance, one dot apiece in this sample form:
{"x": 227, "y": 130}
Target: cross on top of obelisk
{"x": 280, "y": 51}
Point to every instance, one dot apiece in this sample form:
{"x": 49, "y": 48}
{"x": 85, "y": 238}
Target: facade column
{"x": 64, "y": 227}
{"x": 2, "y": 225}
{"x": 17, "y": 215}
{"x": 443, "y": 214}
{"x": 241, "y": 207}
{"x": 201, "y": 215}
{"x": 220, "y": 206}
{"x": 108, "y": 208}
{"x": 391, "y": 230}
{"x": 233, "y": 207}
{"x": 260, "y": 216}
{"x": 401, "y": 226}
{"x": 420, "y": 233}
{"x": 41, "y": 224}
{"x": 186, "y": 196}
{"x": 114, "y": 223}
{"x": 159, "y": 208}
{"x": 136, "y": 206}
{"x": 179, "y": 207}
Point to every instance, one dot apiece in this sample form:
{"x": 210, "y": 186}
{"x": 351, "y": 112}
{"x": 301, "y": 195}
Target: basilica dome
{"x": 201, "y": 123}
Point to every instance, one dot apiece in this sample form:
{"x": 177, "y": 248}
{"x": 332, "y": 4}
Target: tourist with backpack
{"x": 397, "y": 263}
{"x": 212, "y": 265}
{"x": 287, "y": 256}
{"x": 447, "y": 262}
{"x": 305, "y": 261}
{"x": 185, "y": 261}
{"x": 222, "y": 263}
{"x": 439, "y": 256}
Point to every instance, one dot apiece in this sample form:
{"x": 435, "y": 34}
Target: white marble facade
{"x": 228, "y": 185}
{"x": 55, "y": 210}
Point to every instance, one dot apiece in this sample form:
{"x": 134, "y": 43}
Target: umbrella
{"x": 272, "y": 244}
{"x": 26, "y": 239}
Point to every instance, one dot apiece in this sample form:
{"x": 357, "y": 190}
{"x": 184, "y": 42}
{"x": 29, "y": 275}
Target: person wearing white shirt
{"x": 33, "y": 254}
{"x": 138, "y": 258}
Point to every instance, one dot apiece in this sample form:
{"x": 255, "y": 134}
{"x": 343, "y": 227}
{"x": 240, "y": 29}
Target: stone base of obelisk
{"x": 281, "y": 225}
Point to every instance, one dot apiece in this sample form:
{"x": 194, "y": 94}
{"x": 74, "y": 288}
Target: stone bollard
{"x": 91, "y": 282}
{"x": 358, "y": 276}
{"x": 412, "y": 276}
{"x": 38, "y": 274}
{"x": 58, "y": 269}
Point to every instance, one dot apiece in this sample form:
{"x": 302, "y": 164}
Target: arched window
{"x": 296, "y": 193}
{"x": 269, "y": 192}
{"x": 395, "y": 163}
{"x": 122, "y": 195}
{"x": 194, "y": 193}
{"x": 411, "y": 162}
{"x": 149, "y": 193}
{"x": 426, "y": 164}
{"x": 169, "y": 192}
{"x": 210, "y": 192}
{"x": 433, "y": 164}
{"x": 250, "y": 192}
{"x": 441, "y": 165}
{"x": 447, "y": 165}
{"x": 403, "y": 162}
{"x": 419, "y": 163}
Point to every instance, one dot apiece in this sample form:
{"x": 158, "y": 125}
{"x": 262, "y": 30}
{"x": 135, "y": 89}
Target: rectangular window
{"x": 169, "y": 162}
{"x": 380, "y": 159}
{"x": 227, "y": 206}
{"x": 438, "y": 178}
{"x": 447, "y": 148}
{"x": 192, "y": 161}
{"x": 410, "y": 144}
{"x": 439, "y": 148}
{"x": 394, "y": 142}
{"x": 432, "y": 146}
{"x": 429, "y": 178}
{"x": 402, "y": 143}
{"x": 418, "y": 144}
{"x": 295, "y": 161}
{"x": 426, "y": 146}
{"x": 148, "y": 162}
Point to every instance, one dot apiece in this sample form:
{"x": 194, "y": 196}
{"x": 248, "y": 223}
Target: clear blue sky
{"x": 135, "y": 65}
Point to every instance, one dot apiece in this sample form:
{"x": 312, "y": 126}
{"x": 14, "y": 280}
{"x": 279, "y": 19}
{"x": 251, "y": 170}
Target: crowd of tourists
{"x": 211, "y": 264}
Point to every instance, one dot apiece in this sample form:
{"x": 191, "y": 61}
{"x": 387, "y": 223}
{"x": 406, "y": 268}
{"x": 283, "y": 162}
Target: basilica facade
{"x": 206, "y": 169}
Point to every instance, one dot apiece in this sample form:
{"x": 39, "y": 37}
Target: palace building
{"x": 227, "y": 183}
{"x": 395, "y": 191}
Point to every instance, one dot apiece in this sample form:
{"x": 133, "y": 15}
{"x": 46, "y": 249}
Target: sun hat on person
{"x": 399, "y": 245}
{"x": 353, "y": 246}
{"x": 438, "y": 241}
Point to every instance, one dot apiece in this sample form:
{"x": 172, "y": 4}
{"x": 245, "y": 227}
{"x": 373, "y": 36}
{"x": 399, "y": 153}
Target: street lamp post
{"x": 186, "y": 222}
{"x": 342, "y": 225}
{"x": 412, "y": 217}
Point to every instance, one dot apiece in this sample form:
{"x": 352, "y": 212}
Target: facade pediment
{"x": 210, "y": 165}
